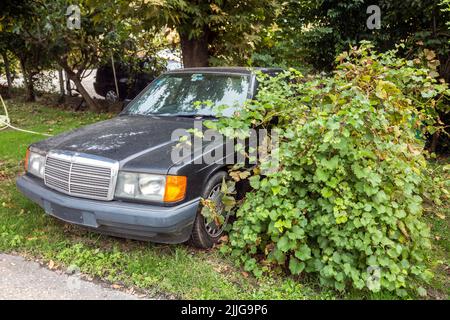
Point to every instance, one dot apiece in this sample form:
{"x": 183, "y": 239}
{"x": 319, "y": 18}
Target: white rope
{"x": 5, "y": 122}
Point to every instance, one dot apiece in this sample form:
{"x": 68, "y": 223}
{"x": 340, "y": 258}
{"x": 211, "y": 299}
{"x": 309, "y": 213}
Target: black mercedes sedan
{"x": 120, "y": 177}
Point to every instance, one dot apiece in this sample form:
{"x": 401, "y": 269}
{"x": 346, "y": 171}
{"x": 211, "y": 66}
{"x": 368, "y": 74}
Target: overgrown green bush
{"x": 345, "y": 202}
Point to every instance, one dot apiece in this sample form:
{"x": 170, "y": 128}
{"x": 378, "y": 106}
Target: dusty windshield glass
{"x": 175, "y": 94}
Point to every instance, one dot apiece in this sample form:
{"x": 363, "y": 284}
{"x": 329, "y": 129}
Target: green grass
{"x": 177, "y": 271}
{"x": 439, "y": 257}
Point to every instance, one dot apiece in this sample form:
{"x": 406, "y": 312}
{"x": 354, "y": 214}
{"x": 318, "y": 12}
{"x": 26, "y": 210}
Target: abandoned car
{"x": 117, "y": 176}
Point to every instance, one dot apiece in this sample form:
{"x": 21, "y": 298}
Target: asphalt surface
{"x": 22, "y": 279}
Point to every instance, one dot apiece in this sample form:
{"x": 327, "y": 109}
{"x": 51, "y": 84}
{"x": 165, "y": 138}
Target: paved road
{"x": 22, "y": 279}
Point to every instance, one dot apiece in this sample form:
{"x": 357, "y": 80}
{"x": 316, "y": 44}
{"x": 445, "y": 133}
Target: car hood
{"x": 141, "y": 143}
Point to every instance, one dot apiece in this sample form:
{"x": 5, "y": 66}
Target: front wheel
{"x": 205, "y": 234}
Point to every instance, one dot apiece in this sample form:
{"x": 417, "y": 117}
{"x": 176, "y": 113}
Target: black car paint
{"x": 143, "y": 143}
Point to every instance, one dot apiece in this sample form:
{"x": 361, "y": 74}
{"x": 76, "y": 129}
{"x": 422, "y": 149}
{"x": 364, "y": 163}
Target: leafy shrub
{"x": 345, "y": 203}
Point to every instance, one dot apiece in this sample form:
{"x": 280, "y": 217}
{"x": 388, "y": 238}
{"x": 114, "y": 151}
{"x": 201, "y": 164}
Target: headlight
{"x": 150, "y": 187}
{"x": 35, "y": 163}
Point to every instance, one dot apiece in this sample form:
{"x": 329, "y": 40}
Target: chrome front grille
{"x": 81, "y": 175}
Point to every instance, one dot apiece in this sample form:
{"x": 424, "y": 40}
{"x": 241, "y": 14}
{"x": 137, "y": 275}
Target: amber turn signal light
{"x": 175, "y": 188}
{"x": 27, "y": 156}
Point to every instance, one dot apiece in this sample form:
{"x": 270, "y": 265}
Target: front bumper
{"x": 117, "y": 218}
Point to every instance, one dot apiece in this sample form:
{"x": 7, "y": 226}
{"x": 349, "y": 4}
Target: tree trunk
{"x": 8, "y": 73}
{"x": 62, "y": 92}
{"x": 31, "y": 94}
{"x": 92, "y": 105}
{"x": 68, "y": 88}
{"x": 195, "y": 51}
{"x": 28, "y": 82}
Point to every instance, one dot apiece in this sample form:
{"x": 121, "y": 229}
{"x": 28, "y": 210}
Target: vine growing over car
{"x": 345, "y": 201}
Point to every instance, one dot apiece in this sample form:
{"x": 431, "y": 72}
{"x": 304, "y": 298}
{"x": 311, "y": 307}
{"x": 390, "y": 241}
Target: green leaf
{"x": 321, "y": 175}
{"x": 229, "y": 202}
{"x": 254, "y": 182}
{"x": 276, "y": 189}
{"x": 326, "y": 192}
{"x": 422, "y": 292}
{"x": 283, "y": 244}
{"x": 295, "y": 266}
{"x": 303, "y": 252}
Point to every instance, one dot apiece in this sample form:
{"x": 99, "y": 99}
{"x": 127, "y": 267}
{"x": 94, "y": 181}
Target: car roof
{"x": 227, "y": 70}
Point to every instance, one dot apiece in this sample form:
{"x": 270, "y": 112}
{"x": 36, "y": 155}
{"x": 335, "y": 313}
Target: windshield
{"x": 175, "y": 94}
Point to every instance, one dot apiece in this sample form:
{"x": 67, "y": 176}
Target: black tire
{"x": 202, "y": 237}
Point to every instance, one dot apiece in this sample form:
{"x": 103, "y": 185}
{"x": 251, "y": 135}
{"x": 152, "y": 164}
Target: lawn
{"x": 169, "y": 271}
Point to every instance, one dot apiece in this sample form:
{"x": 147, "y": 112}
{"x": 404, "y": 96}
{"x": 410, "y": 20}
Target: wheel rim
{"x": 212, "y": 228}
{"x": 111, "y": 96}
